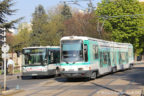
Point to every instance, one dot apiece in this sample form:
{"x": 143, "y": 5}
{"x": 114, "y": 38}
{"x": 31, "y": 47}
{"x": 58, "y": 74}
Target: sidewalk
{"x": 9, "y": 77}
{"x": 138, "y": 62}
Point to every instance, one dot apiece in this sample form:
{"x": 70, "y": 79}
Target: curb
{"x": 139, "y": 62}
{"x": 10, "y": 92}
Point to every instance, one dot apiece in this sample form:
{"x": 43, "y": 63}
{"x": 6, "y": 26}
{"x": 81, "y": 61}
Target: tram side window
{"x": 120, "y": 61}
{"x": 112, "y": 57}
{"x": 122, "y": 58}
{"x": 105, "y": 59}
{"x": 126, "y": 57}
{"x": 101, "y": 59}
{"x": 109, "y": 61}
{"x": 86, "y": 52}
{"x": 115, "y": 58}
{"x": 54, "y": 57}
{"x": 130, "y": 52}
{"x": 95, "y": 51}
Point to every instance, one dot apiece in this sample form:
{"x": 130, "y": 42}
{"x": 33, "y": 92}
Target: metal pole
{"x": 5, "y": 71}
{"x": 5, "y": 53}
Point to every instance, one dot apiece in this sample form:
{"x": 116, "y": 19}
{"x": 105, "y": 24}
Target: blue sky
{"x": 27, "y": 7}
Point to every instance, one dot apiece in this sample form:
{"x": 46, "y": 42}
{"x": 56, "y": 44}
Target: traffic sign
{"x": 5, "y": 47}
{"x": 5, "y": 55}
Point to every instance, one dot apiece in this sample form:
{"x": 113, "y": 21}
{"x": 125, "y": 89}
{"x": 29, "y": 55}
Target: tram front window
{"x": 72, "y": 51}
{"x": 34, "y": 56}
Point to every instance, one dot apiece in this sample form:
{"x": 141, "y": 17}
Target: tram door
{"x": 105, "y": 58}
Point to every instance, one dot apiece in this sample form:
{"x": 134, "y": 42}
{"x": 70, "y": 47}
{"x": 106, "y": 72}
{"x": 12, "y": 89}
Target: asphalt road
{"x": 128, "y": 82}
{"x": 28, "y": 82}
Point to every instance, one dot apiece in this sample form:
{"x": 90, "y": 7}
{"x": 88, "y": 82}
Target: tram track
{"x": 100, "y": 86}
{"x": 105, "y": 85}
{"x": 103, "y": 82}
{"x": 62, "y": 86}
{"x": 126, "y": 88}
{"x": 66, "y": 89}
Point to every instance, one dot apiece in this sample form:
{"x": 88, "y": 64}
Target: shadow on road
{"x": 34, "y": 77}
{"x": 104, "y": 87}
{"x": 62, "y": 79}
{"x": 137, "y": 75}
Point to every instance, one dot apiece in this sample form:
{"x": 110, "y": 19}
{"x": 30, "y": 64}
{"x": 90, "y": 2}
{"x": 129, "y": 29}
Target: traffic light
{"x": 2, "y": 36}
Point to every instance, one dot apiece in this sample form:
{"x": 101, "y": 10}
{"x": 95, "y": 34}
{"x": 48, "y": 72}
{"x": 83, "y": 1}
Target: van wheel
{"x": 93, "y": 75}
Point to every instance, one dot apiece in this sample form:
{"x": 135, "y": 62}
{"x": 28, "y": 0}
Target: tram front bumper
{"x": 76, "y": 74}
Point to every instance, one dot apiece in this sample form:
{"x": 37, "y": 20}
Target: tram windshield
{"x": 35, "y": 56}
{"x": 72, "y": 51}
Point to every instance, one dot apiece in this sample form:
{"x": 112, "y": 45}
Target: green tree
{"x": 39, "y": 20}
{"x": 47, "y": 28}
{"x": 52, "y": 31}
{"x": 122, "y": 21}
{"x": 5, "y": 10}
{"x": 21, "y": 39}
{"x": 66, "y": 12}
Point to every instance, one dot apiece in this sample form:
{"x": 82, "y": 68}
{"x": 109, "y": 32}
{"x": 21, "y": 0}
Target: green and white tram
{"x": 89, "y": 57}
{"x": 40, "y": 61}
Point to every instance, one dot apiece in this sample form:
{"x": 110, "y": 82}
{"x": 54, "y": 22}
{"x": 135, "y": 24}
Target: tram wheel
{"x": 93, "y": 75}
{"x": 131, "y": 66}
{"x": 114, "y": 70}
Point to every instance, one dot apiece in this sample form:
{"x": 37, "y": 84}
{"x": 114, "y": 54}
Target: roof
{"x": 100, "y": 41}
{"x": 32, "y": 47}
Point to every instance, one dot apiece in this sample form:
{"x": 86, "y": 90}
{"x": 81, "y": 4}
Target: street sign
{"x": 5, "y": 47}
{"x": 5, "y": 55}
